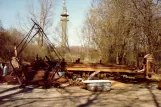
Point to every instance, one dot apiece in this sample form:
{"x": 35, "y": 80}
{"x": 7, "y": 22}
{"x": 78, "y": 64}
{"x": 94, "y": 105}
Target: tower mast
{"x": 64, "y": 20}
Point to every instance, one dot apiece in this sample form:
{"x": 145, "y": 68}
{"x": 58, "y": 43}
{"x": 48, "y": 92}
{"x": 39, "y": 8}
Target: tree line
{"x": 123, "y": 30}
{"x": 41, "y": 14}
{"x": 11, "y": 38}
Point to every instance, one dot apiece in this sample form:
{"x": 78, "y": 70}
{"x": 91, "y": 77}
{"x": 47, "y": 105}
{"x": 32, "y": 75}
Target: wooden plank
{"x": 75, "y": 69}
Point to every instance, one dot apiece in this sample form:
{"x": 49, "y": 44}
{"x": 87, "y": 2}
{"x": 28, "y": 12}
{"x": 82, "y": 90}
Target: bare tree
{"x": 105, "y": 31}
{"x": 1, "y": 26}
{"x": 148, "y": 20}
{"x": 121, "y": 29}
{"x": 42, "y": 14}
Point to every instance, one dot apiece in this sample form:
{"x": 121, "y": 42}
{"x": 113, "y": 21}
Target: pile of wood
{"x": 38, "y": 72}
{"x": 159, "y": 84}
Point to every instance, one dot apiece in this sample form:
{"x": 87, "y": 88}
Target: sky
{"x": 12, "y": 10}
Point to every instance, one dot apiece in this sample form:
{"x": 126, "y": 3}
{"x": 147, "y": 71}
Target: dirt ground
{"x": 121, "y": 95}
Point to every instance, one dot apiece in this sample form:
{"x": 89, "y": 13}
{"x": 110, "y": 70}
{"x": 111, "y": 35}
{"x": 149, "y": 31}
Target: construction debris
{"x": 159, "y": 85}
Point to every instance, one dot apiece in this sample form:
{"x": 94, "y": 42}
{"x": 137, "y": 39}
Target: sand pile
{"x": 116, "y": 84}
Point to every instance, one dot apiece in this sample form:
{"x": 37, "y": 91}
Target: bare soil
{"x": 121, "y": 95}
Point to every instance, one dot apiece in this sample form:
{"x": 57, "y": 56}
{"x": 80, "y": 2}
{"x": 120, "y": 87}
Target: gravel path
{"x": 129, "y": 96}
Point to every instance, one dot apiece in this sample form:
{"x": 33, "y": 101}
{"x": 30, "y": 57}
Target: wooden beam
{"x": 106, "y": 69}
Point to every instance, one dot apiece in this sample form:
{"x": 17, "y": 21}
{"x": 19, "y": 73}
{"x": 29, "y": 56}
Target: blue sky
{"x": 77, "y": 9}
